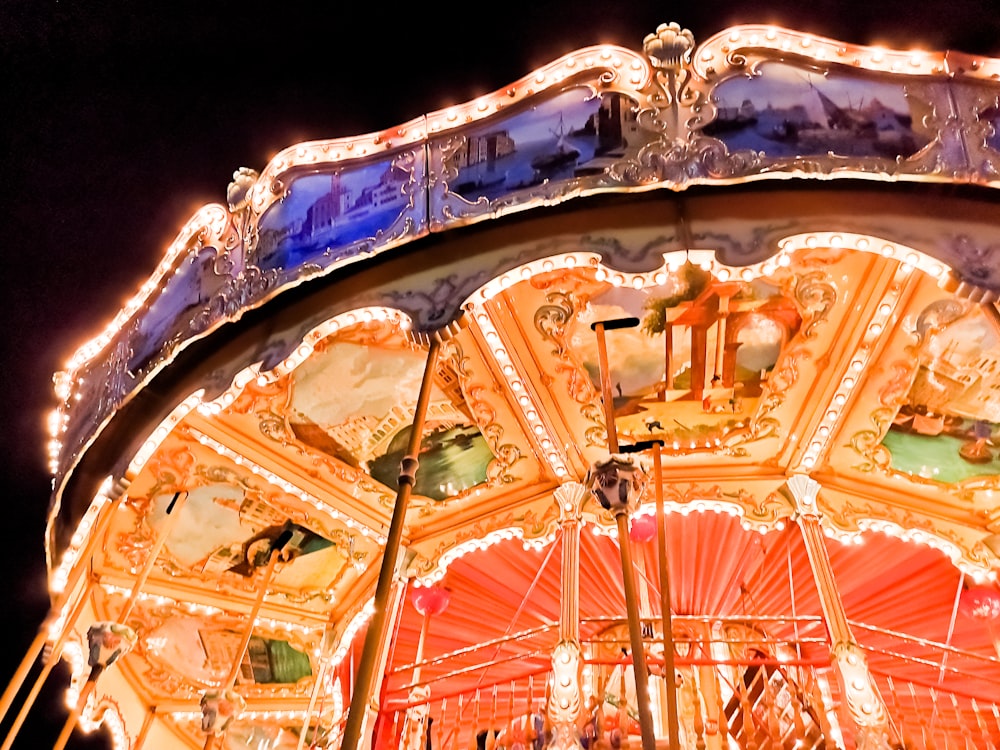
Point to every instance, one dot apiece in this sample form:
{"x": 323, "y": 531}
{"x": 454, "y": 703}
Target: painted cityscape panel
{"x": 575, "y": 134}
{"x": 786, "y": 111}
{"x": 334, "y": 214}
{"x": 948, "y": 428}
{"x": 366, "y": 421}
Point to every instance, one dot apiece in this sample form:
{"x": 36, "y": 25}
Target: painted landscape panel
{"x": 694, "y": 366}
{"x": 950, "y": 424}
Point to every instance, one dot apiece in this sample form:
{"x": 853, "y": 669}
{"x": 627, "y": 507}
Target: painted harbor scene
{"x": 575, "y": 134}
{"x": 787, "y": 111}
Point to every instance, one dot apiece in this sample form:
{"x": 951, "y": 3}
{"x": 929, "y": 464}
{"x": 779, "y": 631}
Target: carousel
{"x": 648, "y": 401}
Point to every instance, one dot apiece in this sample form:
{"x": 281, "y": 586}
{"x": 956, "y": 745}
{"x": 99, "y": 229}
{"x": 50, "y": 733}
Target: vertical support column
{"x": 377, "y": 627}
{"x": 382, "y": 656}
{"x": 666, "y": 614}
{"x": 565, "y": 696}
{"x": 864, "y": 703}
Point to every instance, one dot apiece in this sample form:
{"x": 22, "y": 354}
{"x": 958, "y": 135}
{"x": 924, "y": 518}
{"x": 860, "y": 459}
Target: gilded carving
{"x": 478, "y": 398}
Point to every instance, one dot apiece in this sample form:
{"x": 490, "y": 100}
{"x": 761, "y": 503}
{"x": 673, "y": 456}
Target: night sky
{"x": 118, "y": 123}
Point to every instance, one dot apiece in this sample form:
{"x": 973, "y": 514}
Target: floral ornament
{"x": 238, "y": 192}
{"x": 108, "y": 642}
{"x": 219, "y": 708}
{"x": 669, "y": 47}
{"x": 615, "y": 482}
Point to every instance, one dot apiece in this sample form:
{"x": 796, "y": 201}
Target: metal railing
{"x": 743, "y": 683}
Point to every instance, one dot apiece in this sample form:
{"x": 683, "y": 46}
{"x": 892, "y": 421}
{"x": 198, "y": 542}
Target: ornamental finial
{"x": 238, "y": 192}
{"x": 669, "y": 47}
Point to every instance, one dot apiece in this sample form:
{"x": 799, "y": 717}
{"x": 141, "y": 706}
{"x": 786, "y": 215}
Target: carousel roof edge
{"x": 670, "y": 117}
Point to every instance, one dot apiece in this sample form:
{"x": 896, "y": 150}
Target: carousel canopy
{"x": 790, "y": 244}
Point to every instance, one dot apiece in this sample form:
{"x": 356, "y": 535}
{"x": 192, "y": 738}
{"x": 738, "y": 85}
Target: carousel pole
{"x": 234, "y": 671}
{"x": 43, "y": 675}
{"x": 669, "y": 671}
{"x": 172, "y": 512}
{"x": 428, "y": 601}
{"x": 307, "y": 723}
{"x": 376, "y": 627}
{"x": 620, "y": 510}
{"x": 147, "y": 722}
{"x": 865, "y": 704}
{"x": 108, "y": 642}
{"x": 37, "y": 645}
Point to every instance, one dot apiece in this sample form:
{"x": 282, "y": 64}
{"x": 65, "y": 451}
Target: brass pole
{"x": 320, "y": 678}
{"x": 147, "y": 722}
{"x": 74, "y": 715}
{"x": 168, "y": 523}
{"x": 265, "y": 580}
{"x": 424, "y": 626}
{"x": 147, "y": 568}
{"x": 639, "y": 669}
{"x": 43, "y": 635}
{"x": 387, "y": 571}
{"x": 234, "y": 671}
{"x": 607, "y": 398}
{"x": 640, "y": 672}
{"x": 22, "y": 671}
{"x": 43, "y": 675}
{"x": 669, "y": 673}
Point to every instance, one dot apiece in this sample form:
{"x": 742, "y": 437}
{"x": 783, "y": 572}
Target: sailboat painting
{"x": 788, "y": 111}
{"x": 574, "y": 134}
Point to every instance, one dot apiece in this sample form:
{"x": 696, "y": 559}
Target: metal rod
{"x": 248, "y": 633}
{"x": 609, "y": 403}
{"x": 234, "y": 671}
{"x": 22, "y": 671}
{"x": 43, "y": 675}
{"x": 522, "y": 635}
{"x": 147, "y": 722}
{"x": 74, "y": 715}
{"x": 167, "y": 525}
{"x": 951, "y": 625}
{"x": 37, "y": 645}
{"x": 640, "y": 672}
{"x": 314, "y": 694}
{"x": 669, "y": 672}
{"x": 376, "y": 626}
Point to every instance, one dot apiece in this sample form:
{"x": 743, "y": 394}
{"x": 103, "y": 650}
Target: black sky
{"x": 118, "y": 121}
